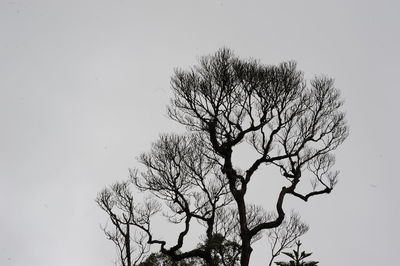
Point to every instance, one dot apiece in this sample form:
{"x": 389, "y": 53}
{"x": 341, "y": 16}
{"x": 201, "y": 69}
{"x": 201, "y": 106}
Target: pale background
{"x": 83, "y": 90}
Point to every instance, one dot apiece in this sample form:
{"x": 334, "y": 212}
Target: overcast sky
{"x": 83, "y": 90}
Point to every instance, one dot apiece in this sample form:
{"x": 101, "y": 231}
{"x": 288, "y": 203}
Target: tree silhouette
{"x": 297, "y": 258}
{"x": 117, "y": 202}
{"x": 226, "y": 102}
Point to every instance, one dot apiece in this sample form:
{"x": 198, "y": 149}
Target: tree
{"x": 117, "y": 202}
{"x": 285, "y": 235}
{"x": 226, "y": 102}
{"x": 297, "y": 258}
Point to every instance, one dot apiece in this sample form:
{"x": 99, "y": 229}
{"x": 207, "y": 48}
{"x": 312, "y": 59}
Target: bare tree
{"x": 285, "y": 235}
{"x": 131, "y": 244}
{"x": 183, "y": 174}
{"x": 225, "y": 102}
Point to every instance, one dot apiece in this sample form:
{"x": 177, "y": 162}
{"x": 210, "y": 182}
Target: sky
{"x": 84, "y": 87}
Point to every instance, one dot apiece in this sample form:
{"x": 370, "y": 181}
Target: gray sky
{"x": 83, "y": 90}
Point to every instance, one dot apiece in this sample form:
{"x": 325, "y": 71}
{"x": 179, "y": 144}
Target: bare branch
{"x": 285, "y": 235}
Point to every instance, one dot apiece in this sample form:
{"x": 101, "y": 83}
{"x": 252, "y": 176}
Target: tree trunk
{"x": 246, "y": 252}
{"x": 128, "y": 245}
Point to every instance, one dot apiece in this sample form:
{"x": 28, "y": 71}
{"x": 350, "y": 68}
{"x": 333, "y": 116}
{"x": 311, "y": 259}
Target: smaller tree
{"x": 285, "y": 235}
{"x": 117, "y": 202}
{"x": 297, "y": 258}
